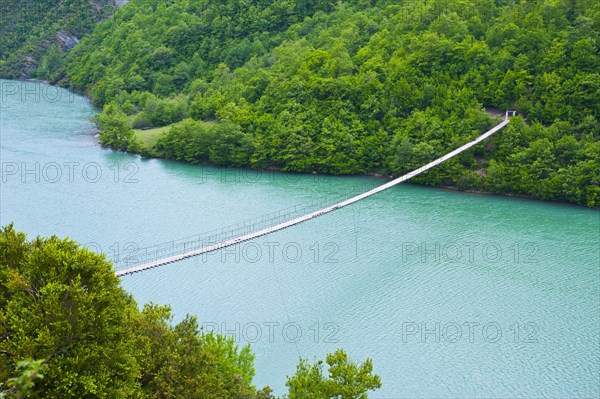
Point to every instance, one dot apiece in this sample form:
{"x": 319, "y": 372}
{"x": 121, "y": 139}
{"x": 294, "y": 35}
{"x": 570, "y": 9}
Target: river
{"x": 451, "y": 294}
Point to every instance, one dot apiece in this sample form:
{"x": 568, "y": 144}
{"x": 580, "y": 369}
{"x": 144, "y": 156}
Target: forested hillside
{"x": 37, "y": 33}
{"x": 356, "y": 86}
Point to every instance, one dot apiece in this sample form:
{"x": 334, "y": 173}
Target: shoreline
{"x": 375, "y": 176}
{"x": 96, "y": 132}
{"x": 513, "y": 195}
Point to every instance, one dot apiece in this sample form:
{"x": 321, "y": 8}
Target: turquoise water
{"x": 451, "y": 294}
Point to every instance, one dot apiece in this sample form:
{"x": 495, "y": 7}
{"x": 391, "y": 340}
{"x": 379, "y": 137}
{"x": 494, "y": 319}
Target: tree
{"x": 114, "y": 128}
{"x": 346, "y": 380}
{"x": 22, "y": 385}
{"x": 180, "y": 362}
{"x": 63, "y": 305}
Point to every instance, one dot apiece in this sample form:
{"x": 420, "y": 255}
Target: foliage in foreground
{"x": 345, "y": 380}
{"x": 68, "y": 330}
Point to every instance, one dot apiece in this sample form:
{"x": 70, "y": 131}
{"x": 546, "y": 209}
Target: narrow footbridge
{"x": 198, "y": 245}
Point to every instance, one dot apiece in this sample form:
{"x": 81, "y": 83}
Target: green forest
{"x": 354, "y": 87}
{"x": 36, "y": 35}
{"x": 374, "y": 87}
{"x": 68, "y": 330}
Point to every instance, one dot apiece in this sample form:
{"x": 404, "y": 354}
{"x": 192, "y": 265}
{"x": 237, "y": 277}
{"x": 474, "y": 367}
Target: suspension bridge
{"x": 161, "y": 255}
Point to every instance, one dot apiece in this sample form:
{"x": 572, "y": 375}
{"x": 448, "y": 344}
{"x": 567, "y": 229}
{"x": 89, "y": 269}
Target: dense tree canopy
{"x": 356, "y": 87}
{"x": 68, "y": 330}
{"x": 37, "y": 33}
{"x": 346, "y": 380}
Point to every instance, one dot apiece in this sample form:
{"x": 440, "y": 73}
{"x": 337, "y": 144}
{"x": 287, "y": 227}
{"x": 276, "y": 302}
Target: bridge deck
{"x": 304, "y": 218}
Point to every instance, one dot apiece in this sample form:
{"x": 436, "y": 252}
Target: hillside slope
{"x": 356, "y": 87}
{"x": 35, "y": 34}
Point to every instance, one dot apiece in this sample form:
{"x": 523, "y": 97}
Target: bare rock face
{"x": 65, "y": 40}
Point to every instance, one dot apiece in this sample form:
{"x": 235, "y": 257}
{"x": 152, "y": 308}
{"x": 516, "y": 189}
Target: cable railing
{"x": 175, "y": 251}
{"x": 136, "y": 256}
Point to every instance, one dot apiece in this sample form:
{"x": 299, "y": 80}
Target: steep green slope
{"x": 160, "y": 46}
{"x": 36, "y": 33}
{"x": 358, "y": 87}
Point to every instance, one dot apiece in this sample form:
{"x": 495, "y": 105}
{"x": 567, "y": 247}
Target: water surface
{"x": 451, "y": 294}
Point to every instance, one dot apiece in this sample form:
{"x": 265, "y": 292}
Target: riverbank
{"x": 387, "y": 178}
{"x": 148, "y": 138}
{"x": 151, "y": 136}
{"x": 354, "y": 279}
